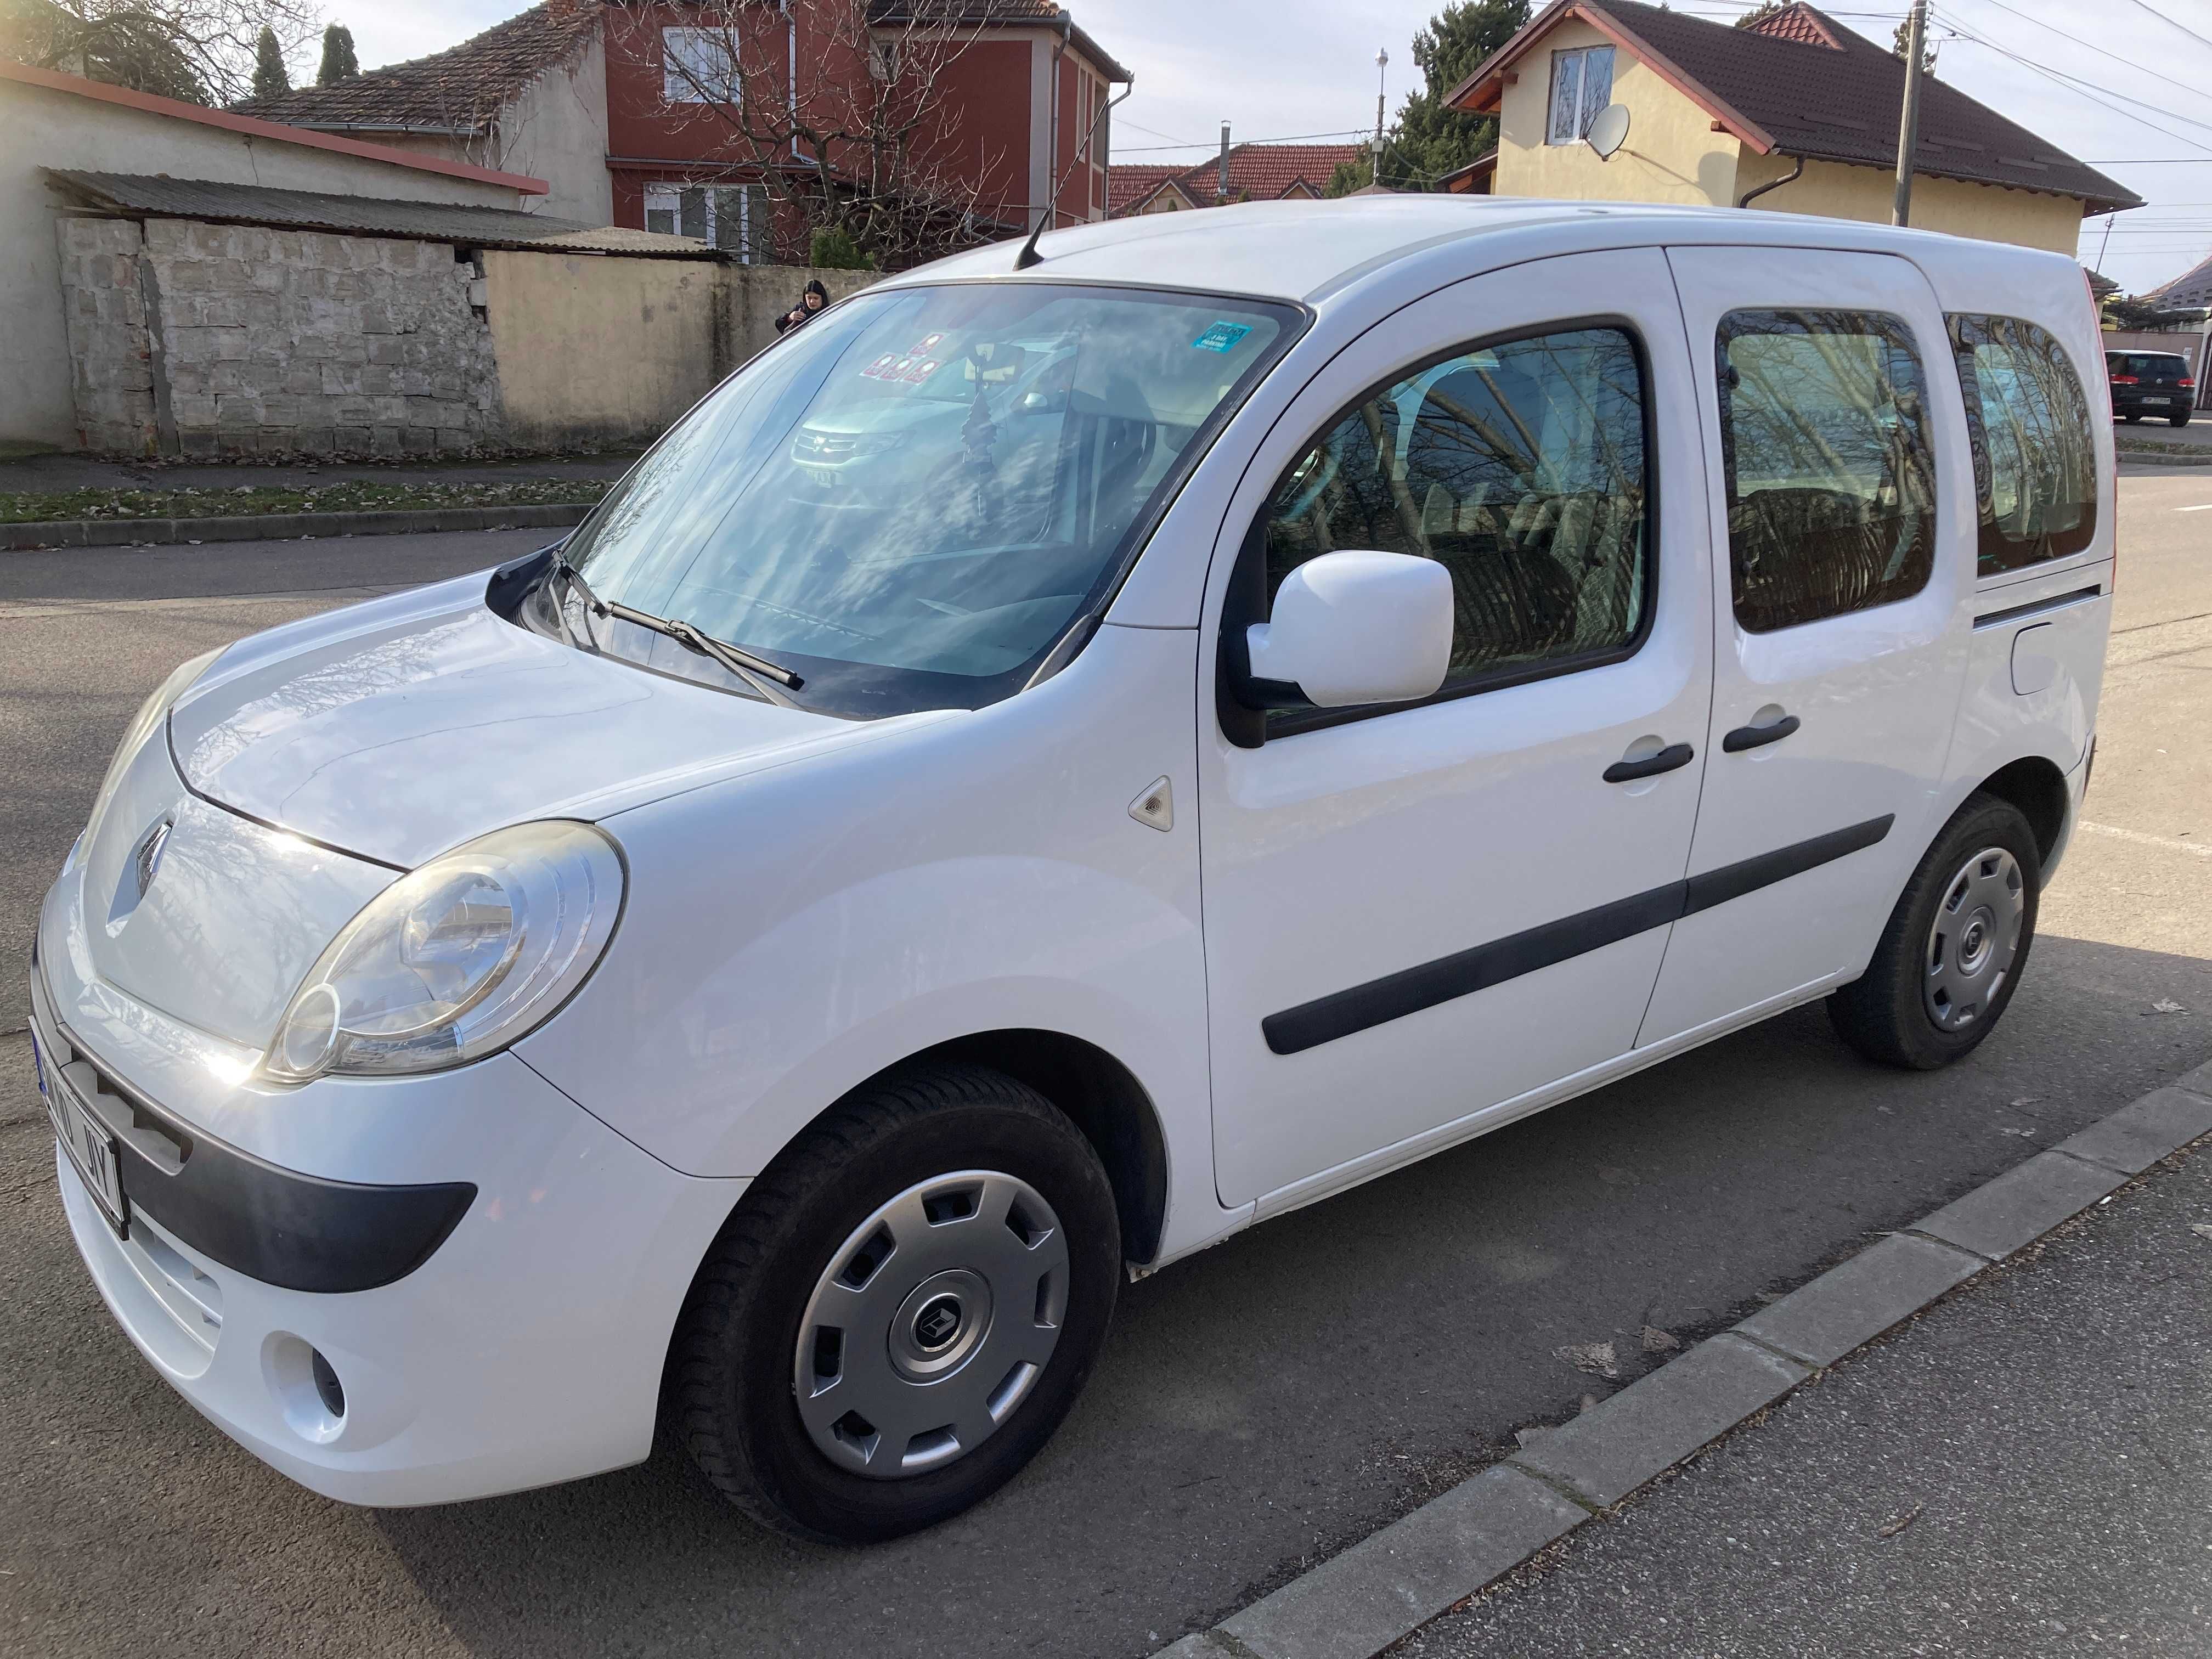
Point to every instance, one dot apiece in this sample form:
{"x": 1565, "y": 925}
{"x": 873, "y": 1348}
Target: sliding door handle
{"x": 1666, "y": 760}
{"x": 1751, "y": 737}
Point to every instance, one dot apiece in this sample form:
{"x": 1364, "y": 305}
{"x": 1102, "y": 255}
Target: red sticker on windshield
{"x": 921, "y": 371}
{"x": 877, "y": 369}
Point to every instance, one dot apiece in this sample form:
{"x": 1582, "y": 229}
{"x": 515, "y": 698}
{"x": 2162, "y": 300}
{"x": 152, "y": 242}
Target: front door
{"x": 1416, "y": 914}
{"x": 1844, "y": 524}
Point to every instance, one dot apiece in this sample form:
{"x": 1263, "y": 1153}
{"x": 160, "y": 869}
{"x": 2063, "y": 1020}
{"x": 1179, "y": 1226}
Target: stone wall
{"x": 297, "y": 340}
{"x": 104, "y": 311}
{"x": 274, "y": 341}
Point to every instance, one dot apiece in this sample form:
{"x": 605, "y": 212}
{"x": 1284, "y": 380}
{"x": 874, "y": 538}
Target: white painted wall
{"x": 45, "y": 127}
{"x": 556, "y": 130}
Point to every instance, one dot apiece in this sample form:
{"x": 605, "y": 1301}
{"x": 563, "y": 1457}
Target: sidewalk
{"x": 1988, "y": 1434}
{"x": 2024, "y": 1470}
{"x": 40, "y": 474}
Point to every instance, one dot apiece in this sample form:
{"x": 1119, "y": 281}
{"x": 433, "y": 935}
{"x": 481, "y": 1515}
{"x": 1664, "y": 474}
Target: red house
{"x": 922, "y": 123}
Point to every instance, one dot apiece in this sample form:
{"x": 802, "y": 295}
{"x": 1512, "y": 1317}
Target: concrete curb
{"x": 1358, "y": 1603}
{"x": 2162, "y": 457}
{"x": 284, "y": 526}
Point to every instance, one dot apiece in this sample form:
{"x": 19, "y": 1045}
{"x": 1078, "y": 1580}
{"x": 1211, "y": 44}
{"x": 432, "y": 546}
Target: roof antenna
{"x": 1028, "y": 255}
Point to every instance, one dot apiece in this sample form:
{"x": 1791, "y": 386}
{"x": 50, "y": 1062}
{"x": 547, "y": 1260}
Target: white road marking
{"x": 2142, "y": 840}
{"x": 2202, "y": 507}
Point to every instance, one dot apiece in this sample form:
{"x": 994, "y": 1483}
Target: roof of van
{"x": 1307, "y": 249}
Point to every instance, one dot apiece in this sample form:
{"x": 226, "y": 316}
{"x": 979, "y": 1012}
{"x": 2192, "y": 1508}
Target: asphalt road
{"x": 1257, "y": 1407}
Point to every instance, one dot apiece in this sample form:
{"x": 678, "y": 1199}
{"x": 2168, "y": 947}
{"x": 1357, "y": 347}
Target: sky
{"x": 2125, "y": 85}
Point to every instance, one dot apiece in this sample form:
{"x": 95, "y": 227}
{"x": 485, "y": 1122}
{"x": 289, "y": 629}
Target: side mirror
{"x": 1353, "y": 628}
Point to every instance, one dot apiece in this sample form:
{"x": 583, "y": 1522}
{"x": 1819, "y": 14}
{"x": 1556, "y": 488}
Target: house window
{"x": 735, "y": 218}
{"x": 1581, "y": 85}
{"x": 698, "y": 66}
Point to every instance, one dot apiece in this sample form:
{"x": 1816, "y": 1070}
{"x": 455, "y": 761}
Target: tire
{"x": 2177, "y": 420}
{"x": 996, "y": 1209}
{"x": 2131, "y": 419}
{"x": 1924, "y": 1002}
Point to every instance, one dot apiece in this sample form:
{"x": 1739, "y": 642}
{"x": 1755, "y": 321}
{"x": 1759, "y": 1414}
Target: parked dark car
{"x": 2151, "y": 383}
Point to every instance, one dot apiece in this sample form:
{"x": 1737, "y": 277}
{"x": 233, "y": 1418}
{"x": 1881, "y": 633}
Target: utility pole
{"x": 1221, "y": 190}
{"x": 1908, "y": 126}
{"x": 1382, "y": 67}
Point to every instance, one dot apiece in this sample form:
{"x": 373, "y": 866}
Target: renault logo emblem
{"x": 937, "y": 1323}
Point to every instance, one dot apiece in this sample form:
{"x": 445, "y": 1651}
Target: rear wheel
{"x": 2178, "y": 420}
{"x": 902, "y": 1310}
{"x": 1951, "y": 956}
{"x": 2131, "y": 419}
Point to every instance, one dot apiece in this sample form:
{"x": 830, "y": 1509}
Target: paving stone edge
{"x": 1355, "y": 1604}
{"x": 284, "y": 526}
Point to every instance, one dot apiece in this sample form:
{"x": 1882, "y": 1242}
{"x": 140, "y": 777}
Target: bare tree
{"x": 201, "y": 51}
{"x": 842, "y": 114}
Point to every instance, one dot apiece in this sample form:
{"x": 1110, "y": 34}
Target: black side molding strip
{"x": 1735, "y": 880}
{"x": 1342, "y": 1013}
{"x": 1998, "y": 619}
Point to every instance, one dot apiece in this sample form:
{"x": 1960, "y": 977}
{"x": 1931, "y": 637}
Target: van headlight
{"x": 143, "y": 724}
{"x": 457, "y": 959}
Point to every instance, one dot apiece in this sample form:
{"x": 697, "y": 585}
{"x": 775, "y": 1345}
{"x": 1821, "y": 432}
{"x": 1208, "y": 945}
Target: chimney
{"x": 1221, "y": 190}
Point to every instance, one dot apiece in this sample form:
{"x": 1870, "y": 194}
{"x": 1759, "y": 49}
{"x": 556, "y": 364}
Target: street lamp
{"x": 1381, "y": 64}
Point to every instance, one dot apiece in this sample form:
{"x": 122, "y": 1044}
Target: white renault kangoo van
{"x": 1045, "y": 767}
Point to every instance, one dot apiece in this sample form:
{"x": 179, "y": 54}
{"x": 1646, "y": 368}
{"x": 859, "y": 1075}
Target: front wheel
{"x": 1951, "y": 956}
{"x": 902, "y": 1310}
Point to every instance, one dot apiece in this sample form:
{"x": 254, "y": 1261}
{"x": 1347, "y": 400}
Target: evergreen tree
{"x": 338, "y": 62}
{"x": 1432, "y": 138}
{"x": 1352, "y": 175}
{"x": 270, "y": 79}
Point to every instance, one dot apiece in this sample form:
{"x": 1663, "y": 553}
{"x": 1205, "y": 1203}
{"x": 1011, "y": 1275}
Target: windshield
{"x": 911, "y": 500}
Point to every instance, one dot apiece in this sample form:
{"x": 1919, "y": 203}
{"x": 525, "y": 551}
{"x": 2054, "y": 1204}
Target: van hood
{"x": 400, "y": 728}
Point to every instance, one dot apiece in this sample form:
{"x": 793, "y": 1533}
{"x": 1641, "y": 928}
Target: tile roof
{"x": 276, "y": 132}
{"x": 2186, "y": 292}
{"x": 137, "y": 196}
{"x": 1127, "y": 185}
{"x": 997, "y": 14}
{"x": 1259, "y": 173}
{"x": 1780, "y": 90}
{"x": 461, "y": 89}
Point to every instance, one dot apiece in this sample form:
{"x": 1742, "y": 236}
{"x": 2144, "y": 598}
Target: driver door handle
{"x": 1666, "y": 760}
{"x": 1751, "y": 737}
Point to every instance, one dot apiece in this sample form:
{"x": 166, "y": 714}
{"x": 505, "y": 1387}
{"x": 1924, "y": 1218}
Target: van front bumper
{"x": 394, "y": 1343}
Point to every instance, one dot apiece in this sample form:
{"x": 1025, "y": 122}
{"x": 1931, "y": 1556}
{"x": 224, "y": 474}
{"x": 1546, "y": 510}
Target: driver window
{"x": 1520, "y": 468}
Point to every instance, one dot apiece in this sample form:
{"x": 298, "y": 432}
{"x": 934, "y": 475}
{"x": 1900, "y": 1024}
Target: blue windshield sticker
{"x": 1222, "y": 337}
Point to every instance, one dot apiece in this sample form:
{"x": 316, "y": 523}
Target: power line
{"x": 1295, "y": 138}
{"x": 2090, "y": 91}
{"x": 2142, "y": 69}
{"x": 2169, "y": 21}
{"x": 1179, "y": 143}
{"x": 2086, "y": 88}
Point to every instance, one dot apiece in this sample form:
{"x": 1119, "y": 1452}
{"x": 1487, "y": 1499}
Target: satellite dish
{"x": 1608, "y": 131}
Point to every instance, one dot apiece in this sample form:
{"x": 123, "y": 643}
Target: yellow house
{"x": 1796, "y": 113}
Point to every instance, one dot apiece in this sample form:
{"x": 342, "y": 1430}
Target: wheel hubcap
{"x": 1974, "y": 938}
{"x": 931, "y": 1323}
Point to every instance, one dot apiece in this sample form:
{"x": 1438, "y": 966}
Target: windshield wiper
{"x": 764, "y": 676}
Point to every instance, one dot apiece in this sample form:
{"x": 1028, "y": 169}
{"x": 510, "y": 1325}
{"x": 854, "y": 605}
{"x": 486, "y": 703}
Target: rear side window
{"x": 1520, "y": 468}
{"x": 2035, "y": 462}
{"x": 2146, "y": 365}
{"x": 1830, "y": 481}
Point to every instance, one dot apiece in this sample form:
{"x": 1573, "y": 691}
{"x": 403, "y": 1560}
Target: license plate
{"x": 2160, "y": 401}
{"x": 91, "y": 1148}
